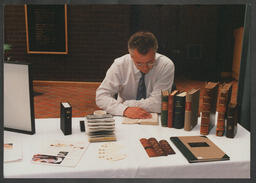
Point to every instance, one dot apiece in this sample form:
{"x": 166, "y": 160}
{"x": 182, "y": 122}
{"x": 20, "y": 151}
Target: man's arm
{"x": 136, "y": 113}
{"x": 153, "y": 102}
{"x": 106, "y": 91}
{"x": 105, "y": 96}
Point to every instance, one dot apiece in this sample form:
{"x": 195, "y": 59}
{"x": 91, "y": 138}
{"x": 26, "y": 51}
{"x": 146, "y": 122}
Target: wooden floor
{"x": 81, "y": 96}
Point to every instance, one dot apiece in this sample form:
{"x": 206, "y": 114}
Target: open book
{"x": 149, "y": 121}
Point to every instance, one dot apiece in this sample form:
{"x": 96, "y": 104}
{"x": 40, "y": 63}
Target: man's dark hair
{"x": 143, "y": 42}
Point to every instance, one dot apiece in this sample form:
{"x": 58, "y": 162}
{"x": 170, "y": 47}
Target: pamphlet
{"x": 61, "y": 153}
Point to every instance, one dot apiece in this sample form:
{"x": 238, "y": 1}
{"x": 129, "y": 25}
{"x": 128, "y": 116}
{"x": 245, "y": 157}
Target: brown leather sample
{"x": 155, "y": 148}
{"x": 166, "y": 147}
{"x": 148, "y": 148}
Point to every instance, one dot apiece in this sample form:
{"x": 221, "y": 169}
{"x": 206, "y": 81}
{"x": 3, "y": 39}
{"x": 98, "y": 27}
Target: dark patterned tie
{"x": 141, "y": 92}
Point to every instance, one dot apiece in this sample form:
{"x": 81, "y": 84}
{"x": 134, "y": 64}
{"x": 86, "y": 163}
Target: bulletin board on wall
{"x": 46, "y": 29}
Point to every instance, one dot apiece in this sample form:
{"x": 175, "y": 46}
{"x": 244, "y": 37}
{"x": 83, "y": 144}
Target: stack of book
{"x": 180, "y": 109}
{"x": 100, "y": 127}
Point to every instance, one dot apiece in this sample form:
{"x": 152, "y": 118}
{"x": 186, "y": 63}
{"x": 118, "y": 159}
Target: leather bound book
{"x": 66, "y": 118}
{"x": 179, "y": 110}
{"x": 209, "y": 107}
{"x": 224, "y": 97}
{"x": 232, "y": 119}
{"x": 191, "y": 109}
{"x": 170, "y": 107}
{"x": 164, "y": 108}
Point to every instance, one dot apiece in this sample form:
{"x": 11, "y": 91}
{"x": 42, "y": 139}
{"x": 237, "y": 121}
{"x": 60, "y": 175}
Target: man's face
{"x": 143, "y": 62}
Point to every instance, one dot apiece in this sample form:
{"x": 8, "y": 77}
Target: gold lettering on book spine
{"x": 164, "y": 106}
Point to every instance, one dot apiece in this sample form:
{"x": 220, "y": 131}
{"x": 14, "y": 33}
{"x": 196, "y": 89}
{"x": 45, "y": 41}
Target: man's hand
{"x": 136, "y": 113}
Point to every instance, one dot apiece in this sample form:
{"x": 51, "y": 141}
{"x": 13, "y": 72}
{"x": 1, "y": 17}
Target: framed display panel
{"x": 18, "y": 99}
{"x": 46, "y": 29}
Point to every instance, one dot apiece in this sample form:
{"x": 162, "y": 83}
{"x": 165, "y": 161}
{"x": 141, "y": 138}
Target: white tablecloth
{"x": 137, "y": 164}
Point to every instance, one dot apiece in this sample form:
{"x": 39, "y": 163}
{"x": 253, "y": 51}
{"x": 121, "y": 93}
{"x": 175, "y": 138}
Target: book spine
{"x": 221, "y": 108}
{"x": 164, "y": 110}
{"x": 231, "y": 127}
{"x": 220, "y": 129}
{"x": 188, "y": 113}
{"x": 195, "y": 109}
{"x": 205, "y": 119}
{"x": 170, "y": 111}
{"x": 179, "y": 111}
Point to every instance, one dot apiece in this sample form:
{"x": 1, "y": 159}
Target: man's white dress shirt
{"x": 123, "y": 77}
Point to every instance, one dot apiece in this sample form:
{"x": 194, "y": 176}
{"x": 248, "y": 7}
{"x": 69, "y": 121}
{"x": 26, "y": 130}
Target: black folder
{"x": 199, "y": 149}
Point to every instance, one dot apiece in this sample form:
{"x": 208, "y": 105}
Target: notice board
{"x": 46, "y": 29}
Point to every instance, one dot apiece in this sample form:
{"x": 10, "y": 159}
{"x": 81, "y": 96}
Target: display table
{"x": 137, "y": 164}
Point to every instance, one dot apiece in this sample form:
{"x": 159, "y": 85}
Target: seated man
{"x": 138, "y": 78}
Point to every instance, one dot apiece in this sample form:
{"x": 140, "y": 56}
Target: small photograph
{"x": 62, "y": 154}
{"x": 8, "y": 146}
{"x": 42, "y": 158}
{"x": 66, "y": 145}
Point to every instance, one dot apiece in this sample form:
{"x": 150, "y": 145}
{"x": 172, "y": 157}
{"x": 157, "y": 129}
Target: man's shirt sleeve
{"x": 106, "y": 91}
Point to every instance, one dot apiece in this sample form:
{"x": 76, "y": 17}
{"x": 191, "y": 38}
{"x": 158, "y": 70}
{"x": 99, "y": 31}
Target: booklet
{"x": 12, "y": 150}
{"x": 149, "y": 121}
{"x": 61, "y": 153}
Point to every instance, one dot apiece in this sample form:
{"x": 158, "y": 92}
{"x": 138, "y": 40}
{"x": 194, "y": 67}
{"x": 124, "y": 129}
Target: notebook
{"x": 199, "y": 149}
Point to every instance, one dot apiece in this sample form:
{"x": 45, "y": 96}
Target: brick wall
{"x": 97, "y": 34}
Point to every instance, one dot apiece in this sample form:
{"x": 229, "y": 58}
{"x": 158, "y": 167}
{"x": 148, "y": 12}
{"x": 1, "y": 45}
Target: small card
{"x": 111, "y": 152}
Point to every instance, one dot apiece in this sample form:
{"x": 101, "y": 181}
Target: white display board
{"x": 18, "y": 99}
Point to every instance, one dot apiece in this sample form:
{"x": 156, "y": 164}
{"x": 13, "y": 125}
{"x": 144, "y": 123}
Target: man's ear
{"x": 131, "y": 52}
